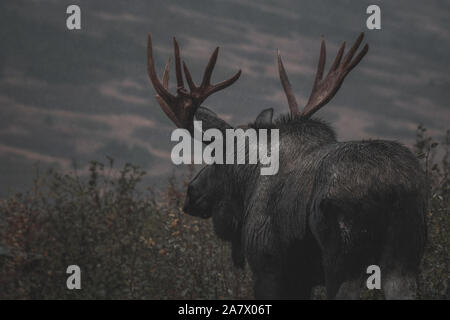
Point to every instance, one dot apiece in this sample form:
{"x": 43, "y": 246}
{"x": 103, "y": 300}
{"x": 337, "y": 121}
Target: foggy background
{"x": 68, "y": 97}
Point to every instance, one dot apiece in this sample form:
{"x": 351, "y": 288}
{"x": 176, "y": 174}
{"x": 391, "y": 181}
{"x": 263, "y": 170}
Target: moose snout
{"x": 197, "y": 206}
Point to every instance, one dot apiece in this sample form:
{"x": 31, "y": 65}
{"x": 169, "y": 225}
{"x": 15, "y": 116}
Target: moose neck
{"x": 307, "y": 134}
{"x": 299, "y": 137}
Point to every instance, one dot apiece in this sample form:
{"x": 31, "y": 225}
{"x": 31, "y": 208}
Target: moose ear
{"x": 210, "y": 120}
{"x": 264, "y": 118}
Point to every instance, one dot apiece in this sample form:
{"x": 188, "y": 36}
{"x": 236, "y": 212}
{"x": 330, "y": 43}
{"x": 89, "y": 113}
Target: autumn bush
{"x": 129, "y": 244}
{"x": 435, "y": 268}
{"x": 133, "y": 242}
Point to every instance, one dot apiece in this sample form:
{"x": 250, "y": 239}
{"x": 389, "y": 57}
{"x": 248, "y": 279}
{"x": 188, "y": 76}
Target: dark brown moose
{"x": 333, "y": 209}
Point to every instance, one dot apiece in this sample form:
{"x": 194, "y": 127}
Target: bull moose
{"x": 333, "y": 209}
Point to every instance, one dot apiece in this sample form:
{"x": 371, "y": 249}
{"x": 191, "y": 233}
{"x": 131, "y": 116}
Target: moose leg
{"x": 343, "y": 275}
{"x": 342, "y": 278}
{"x": 349, "y": 290}
{"x": 332, "y": 282}
{"x": 303, "y": 269}
{"x": 298, "y": 283}
{"x": 298, "y": 289}
{"x": 268, "y": 285}
{"x": 267, "y": 275}
{"x": 288, "y": 282}
{"x": 274, "y": 286}
{"x": 397, "y": 286}
{"x": 340, "y": 287}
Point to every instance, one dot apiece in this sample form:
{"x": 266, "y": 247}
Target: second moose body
{"x": 333, "y": 209}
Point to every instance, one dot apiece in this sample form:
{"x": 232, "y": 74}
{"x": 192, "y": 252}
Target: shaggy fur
{"x": 333, "y": 209}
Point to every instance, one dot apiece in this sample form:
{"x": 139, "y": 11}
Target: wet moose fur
{"x": 333, "y": 209}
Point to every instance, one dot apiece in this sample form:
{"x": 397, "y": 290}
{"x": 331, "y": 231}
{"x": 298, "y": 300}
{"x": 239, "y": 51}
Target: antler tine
{"x": 179, "y": 75}
{"x": 163, "y": 94}
{"x": 338, "y": 58}
{"x": 152, "y": 73}
{"x": 292, "y": 102}
{"x": 353, "y": 49}
{"x": 200, "y": 93}
{"x": 222, "y": 85}
{"x": 166, "y": 75}
{"x": 358, "y": 58}
{"x": 321, "y": 65}
{"x": 181, "y": 108}
{"x": 209, "y": 69}
{"x": 188, "y": 76}
{"x": 168, "y": 111}
{"x": 325, "y": 89}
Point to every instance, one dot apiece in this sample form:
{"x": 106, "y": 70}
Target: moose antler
{"x": 180, "y": 108}
{"x": 323, "y": 89}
